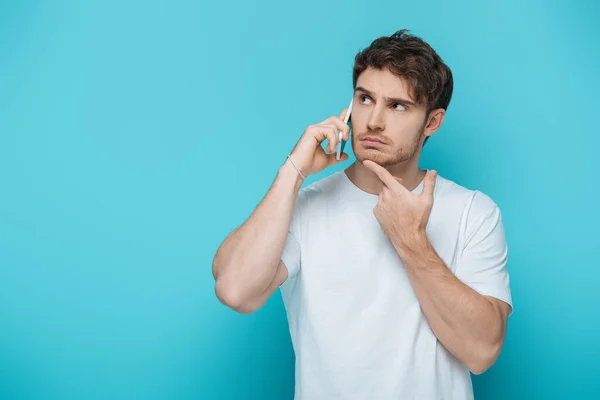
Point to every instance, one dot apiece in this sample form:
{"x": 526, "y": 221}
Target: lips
{"x": 372, "y": 140}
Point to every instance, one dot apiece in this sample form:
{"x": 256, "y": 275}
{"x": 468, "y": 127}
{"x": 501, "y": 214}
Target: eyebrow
{"x": 389, "y": 99}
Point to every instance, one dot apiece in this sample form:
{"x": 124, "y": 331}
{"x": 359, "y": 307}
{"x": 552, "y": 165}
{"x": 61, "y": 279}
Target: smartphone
{"x": 342, "y": 143}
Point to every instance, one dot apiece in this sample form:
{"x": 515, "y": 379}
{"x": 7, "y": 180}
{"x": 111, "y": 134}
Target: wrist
{"x": 414, "y": 243}
{"x": 289, "y": 173}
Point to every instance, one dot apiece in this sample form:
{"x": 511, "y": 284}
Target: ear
{"x": 434, "y": 121}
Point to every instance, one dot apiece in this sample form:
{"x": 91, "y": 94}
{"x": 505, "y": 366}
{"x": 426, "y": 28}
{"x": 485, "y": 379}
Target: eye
{"x": 363, "y": 97}
{"x": 398, "y": 104}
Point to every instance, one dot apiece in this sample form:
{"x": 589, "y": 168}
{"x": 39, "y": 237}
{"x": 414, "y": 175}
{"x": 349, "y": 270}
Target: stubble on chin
{"x": 387, "y": 156}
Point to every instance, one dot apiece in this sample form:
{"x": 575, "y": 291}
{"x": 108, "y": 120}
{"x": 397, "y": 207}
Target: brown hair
{"x": 409, "y": 57}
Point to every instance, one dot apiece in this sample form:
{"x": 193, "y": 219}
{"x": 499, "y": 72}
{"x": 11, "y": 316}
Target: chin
{"x": 380, "y": 157}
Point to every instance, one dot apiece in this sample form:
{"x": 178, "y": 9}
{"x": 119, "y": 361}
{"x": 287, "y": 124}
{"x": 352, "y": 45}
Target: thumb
{"x": 332, "y": 160}
{"x": 429, "y": 183}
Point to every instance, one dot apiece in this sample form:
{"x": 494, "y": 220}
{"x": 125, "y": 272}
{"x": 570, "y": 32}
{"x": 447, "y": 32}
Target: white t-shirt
{"x": 356, "y": 324}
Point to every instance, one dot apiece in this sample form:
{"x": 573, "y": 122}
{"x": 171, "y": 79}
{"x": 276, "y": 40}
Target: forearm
{"x": 464, "y": 321}
{"x": 246, "y": 262}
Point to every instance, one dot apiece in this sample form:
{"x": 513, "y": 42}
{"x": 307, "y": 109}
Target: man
{"x": 394, "y": 278}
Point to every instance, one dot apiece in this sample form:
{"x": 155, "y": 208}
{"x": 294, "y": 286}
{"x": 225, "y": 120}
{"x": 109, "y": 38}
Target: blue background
{"x": 135, "y": 135}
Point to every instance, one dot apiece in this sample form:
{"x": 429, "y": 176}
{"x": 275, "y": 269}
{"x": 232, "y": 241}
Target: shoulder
{"x": 474, "y": 204}
{"x": 472, "y": 210}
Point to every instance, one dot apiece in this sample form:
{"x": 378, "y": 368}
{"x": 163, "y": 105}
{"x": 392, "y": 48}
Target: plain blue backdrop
{"x": 135, "y": 135}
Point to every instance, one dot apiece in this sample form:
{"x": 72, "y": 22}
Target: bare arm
{"x": 470, "y": 326}
{"x": 247, "y": 266}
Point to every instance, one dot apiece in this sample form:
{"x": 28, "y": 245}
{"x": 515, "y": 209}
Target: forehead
{"x": 384, "y": 83}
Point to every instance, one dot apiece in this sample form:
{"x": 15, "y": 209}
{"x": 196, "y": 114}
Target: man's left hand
{"x": 402, "y": 214}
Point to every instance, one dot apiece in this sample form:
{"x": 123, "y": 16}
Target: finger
{"x": 340, "y": 125}
{"x": 331, "y": 159}
{"x": 333, "y": 140}
{"x": 383, "y": 174}
{"x": 385, "y": 192}
{"x": 429, "y": 184}
{"x": 329, "y": 132}
{"x": 400, "y": 180}
{"x": 343, "y": 117}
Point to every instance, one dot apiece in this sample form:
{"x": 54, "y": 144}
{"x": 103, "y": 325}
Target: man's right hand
{"x": 309, "y": 156}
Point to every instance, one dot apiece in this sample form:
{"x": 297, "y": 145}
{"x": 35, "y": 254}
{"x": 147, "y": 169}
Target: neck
{"x": 367, "y": 181}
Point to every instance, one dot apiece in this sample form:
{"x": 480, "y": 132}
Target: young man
{"x": 394, "y": 279}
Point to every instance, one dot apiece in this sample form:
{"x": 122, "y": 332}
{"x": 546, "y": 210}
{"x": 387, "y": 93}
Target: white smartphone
{"x": 342, "y": 143}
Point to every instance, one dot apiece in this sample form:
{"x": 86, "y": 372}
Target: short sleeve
{"x": 291, "y": 255}
{"x": 482, "y": 265}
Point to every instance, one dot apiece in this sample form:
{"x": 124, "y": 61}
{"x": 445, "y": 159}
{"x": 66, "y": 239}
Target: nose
{"x": 376, "y": 121}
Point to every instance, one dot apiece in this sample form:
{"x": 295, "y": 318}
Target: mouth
{"x": 372, "y": 141}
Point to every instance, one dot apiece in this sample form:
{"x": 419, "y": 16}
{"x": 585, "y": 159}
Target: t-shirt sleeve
{"x": 291, "y": 255}
{"x": 482, "y": 265}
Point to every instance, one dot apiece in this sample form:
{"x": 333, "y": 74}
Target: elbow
{"x": 232, "y": 297}
{"x": 485, "y": 358}
{"x": 227, "y": 291}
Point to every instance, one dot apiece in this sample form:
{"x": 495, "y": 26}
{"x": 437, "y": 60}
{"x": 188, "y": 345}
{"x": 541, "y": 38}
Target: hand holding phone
{"x": 308, "y": 155}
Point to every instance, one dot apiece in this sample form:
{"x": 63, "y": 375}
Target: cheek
{"x": 356, "y": 124}
{"x": 406, "y": 130}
